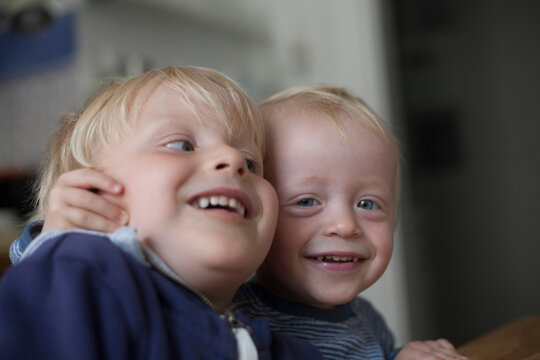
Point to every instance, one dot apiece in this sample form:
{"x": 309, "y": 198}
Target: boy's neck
{"x": 269, "y": 286}
{"x": 217, "y": 298}
{"x": 337, "y": 313}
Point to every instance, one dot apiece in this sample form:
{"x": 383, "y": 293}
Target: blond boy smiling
{"x": 177, "y": 139}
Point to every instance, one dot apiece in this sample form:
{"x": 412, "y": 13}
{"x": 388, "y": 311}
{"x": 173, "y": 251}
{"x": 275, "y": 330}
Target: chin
{"x": 329, "y": 299}
{"x": 338, "y": 301}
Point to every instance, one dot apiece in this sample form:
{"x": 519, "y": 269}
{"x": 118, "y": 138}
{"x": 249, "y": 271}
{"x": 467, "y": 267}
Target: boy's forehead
{"x": 293, "y": 128}
{"x": 170, "y": 103}
{"x": 293, "y": 117}
{"x": 290, "y": 118}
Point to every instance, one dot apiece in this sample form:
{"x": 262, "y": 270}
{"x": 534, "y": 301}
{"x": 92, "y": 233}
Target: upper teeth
{"x": 221, "y": 200}
{"x": 337, "y": 258}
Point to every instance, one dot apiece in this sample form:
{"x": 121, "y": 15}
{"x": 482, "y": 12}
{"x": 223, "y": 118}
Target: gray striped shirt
{"x": 351, "y": 331}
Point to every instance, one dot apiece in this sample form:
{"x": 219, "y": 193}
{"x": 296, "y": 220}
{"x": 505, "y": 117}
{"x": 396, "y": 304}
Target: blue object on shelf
{"x": 24, "y": 53}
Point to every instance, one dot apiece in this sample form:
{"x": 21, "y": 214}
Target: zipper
{"x": 228, "y": 315}
{"x": 231, "y": 318}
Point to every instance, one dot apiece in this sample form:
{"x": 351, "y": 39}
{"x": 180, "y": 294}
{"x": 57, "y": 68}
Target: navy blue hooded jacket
{"x": 81, "y": 297}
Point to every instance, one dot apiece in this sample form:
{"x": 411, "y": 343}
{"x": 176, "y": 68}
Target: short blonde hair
{"x": 331, "y": 101}
{"x": 337, "y": 104}
{"x": 108, "y": 116}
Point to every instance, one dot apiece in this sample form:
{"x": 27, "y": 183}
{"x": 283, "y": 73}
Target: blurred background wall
{"x": 470, "y": 89}
{"x": 458, "y": 81}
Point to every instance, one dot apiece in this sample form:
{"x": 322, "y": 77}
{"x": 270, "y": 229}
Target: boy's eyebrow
{"x": 316, "y": 179}
{"x": 171, "y": 124}
{"x": 163, "y": 126}
{"x": 160, "y": 122}
{"x": 308, "y": 180}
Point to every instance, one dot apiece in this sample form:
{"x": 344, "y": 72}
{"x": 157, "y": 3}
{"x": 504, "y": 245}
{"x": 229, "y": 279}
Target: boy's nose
{"x": 228, "y": 158}
{"x": 342, "y": 224}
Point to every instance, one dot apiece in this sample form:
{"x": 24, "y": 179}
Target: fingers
{"x": 85, "y": 200}
{"x": 440, "y": 349}
{"x": 89, "y": 179}
{"x": 74, "y": 218}
{"x": 71, "y": 208}
{"x": 75, "y": 202}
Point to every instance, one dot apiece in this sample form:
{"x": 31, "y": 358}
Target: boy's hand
{"x": 429, "y": 350}
{"x": 74, "y": 202}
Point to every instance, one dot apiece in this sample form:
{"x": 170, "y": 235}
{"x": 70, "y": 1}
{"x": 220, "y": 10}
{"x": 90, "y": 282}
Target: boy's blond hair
{"x": 337, "y": 104}
{"x": 108, "y": 116}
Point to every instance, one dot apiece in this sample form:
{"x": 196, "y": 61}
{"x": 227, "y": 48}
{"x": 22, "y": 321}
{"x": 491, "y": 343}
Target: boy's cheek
{"x": 293, "y": 224}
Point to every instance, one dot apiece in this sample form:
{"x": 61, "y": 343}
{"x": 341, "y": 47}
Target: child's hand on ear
{"x": 429, "y": 350}
{"x": 75, "y": 202}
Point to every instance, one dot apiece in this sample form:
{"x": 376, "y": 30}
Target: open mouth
{"x": 336, "y": 259}
{"x": 226, "y": 203}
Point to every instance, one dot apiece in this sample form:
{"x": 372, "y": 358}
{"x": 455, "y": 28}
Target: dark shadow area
{"x": 15, "y": 191}
{"x": 470, "y": 87}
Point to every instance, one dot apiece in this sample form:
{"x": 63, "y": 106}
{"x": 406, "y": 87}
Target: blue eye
{"x": 367, "y": 205}
{"x": 307, "y": 202}
{"x": 181, "y": 145}
{"x": 250, "y": 165}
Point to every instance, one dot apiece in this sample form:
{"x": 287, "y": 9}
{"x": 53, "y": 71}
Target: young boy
{"x": 186, "y": 143}
{"x": 335, "y": 167}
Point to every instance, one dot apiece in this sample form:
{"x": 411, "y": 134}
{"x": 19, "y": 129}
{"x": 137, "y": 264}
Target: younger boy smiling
{"x": 336, "y": 177}
{"x": 335, "y": 167}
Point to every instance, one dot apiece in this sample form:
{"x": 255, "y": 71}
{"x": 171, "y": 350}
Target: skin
{"x": 166, "y": 166}
{"x": 340, "y": 205}
{"x": 72, "y": 206}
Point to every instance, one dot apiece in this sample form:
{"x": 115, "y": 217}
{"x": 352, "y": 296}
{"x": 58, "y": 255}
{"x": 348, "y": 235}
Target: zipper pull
{"x": 244, "y": 342}
{"x": 233, "y": 321}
